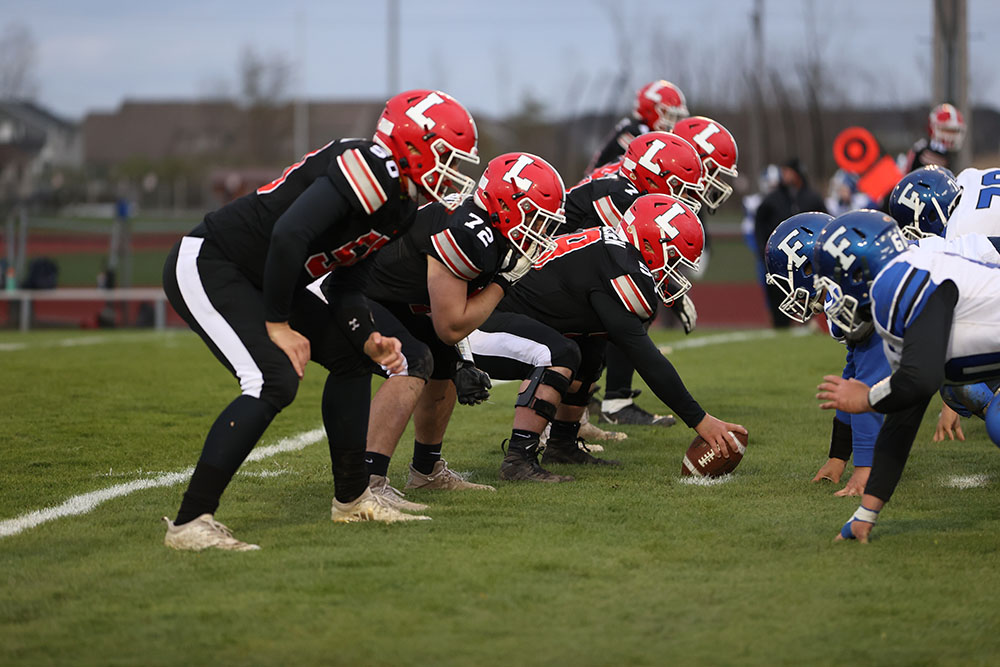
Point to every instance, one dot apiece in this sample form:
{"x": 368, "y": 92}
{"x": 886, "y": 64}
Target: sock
{"x": 203, "y": 492}
{"x": 425, "y": 456}
{"x": 378, "y": 464}
{"x": 345, "y": 416}
{"x": 564, "y": 431}
{"x": 523, "y": 442}
{"x": 233, "y": 434}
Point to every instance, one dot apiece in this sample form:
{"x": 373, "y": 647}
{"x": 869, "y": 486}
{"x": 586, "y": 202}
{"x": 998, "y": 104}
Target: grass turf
{"x": 624, "y": 566}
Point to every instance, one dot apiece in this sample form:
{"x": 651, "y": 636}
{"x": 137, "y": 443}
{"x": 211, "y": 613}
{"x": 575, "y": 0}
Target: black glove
{"x": 471, "y": 384}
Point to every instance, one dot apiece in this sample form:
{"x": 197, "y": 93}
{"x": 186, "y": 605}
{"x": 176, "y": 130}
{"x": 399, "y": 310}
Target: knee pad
{"x": 419, "y": 362}
{"x": 580, "y": 397}
{"x": 527, "y": 398}
{"x": 567, "y": 356}
{"x": 280, "y": 391}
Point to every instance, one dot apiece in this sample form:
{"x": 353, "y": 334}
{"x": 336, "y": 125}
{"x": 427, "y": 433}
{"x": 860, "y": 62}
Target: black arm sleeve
{"x": 349, "y": 306}
{"x": 925, "y": 347}
{"x": 627, "y": 332}
{"x": 312, "y": 212}
{"x": 892, "y": 448}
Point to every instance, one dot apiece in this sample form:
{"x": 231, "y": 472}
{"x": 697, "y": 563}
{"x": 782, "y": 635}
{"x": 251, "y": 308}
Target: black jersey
{"x": 593, "y": 283}
{"x": 463, "y": 240}
{"x": 924, "y": 153}
{"x": 332, "y": 208}
{"x": 598, "y": 203}
{"x": 614, "y": 147}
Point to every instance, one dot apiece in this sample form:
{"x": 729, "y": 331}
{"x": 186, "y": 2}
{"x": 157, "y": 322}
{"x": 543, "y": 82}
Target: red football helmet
{"x": 947, "y": 126}
{"x": 660, "y": 104}
{"x": 670, "y": 238}
{"x": 524, "y": 196}
{"x": 717, "y": 150}
{"x": 430, "y": 134}
{"x": 663, "y": 163}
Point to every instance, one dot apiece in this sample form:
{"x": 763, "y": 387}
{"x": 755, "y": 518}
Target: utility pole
{"x": 300, "y": 120}
{"x": 951, "y": 66}
{"x": 756, "y": 143}
{"x": 392, "y": 53}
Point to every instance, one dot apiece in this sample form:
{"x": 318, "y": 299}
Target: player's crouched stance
{"x": 935, "y": 311}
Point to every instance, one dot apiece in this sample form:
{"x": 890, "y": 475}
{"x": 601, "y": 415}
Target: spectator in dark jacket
{"x": 793, "y": 195}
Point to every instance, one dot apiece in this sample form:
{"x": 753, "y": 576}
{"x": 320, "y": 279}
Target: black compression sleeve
{"x": 925, "y": 346}
{"x": 627, "y": 332}
{"x": 351, "y": 311}
{"x": 318, "y": 208}
{"x": 892, "y": 448}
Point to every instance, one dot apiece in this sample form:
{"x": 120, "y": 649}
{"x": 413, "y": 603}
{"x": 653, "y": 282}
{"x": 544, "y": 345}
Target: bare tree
{"x": 18, "y": 56}
{"x": 263, "y": 86}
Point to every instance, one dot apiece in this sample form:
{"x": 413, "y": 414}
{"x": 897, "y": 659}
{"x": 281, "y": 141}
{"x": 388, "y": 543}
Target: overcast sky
{"x": 93, "y": 54}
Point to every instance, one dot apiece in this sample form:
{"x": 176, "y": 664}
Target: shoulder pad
{"x": 366, "y": 169}
{"x": 629, "y": 289}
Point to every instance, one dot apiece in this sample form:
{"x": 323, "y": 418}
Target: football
{"x": 701, "y": 461}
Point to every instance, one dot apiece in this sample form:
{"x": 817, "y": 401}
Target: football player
{"x": 237, "y": 279}
{"x": 599, "y": 285}
{"x": 658, "y": 106}
{"x": 937, "y": 314}
{"x": 939, "y": 212}
{"x": 946, "y": 130}
{"x": 655, "y": 163}
{"x": 441, "y": 280}
{"x": 788, "y": 259}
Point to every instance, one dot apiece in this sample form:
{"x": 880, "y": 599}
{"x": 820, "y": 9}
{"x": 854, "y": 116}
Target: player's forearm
{"x": 892, "y": 449}
{"x": 453, "y": 322}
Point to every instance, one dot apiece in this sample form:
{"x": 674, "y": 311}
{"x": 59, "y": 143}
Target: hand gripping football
{"x": 701, "y": 460}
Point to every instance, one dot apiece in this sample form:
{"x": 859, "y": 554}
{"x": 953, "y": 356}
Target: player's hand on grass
{"x": 849, "y": 396}
{"x": 860, "y": 531}
{"x": 949, "y": 425}
{"x": 292, "y": 343}
{"x": 831, "y": 470}
{"x": 856, "y": 484}
{"x": 385, "y": 351}
{"x": 472, "y": 386}
{"x": 716, "y": 433}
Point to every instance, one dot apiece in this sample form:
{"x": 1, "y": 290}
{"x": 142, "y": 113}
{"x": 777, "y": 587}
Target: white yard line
{"x": 965, "y": 481}
{"x": 86, "y": 502}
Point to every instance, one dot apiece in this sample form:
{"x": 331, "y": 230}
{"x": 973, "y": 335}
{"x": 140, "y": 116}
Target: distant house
{"x": 34, "y": 143}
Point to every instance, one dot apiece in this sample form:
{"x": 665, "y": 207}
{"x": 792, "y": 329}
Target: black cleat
{"x": 523, "y": 467}
{"x": 633, "y": 414}
{"x": 575, "y": 453}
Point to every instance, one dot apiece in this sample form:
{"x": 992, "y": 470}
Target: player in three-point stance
{"x": 238, "y": 279}
{"x": 598, "y": 285}
{"x": 938, "y": 315}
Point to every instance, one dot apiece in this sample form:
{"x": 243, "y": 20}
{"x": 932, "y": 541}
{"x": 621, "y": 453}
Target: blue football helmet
{"x": 923, "y": 200}
{"x": 847, "y": 255}
{"x": 788, "y": 260}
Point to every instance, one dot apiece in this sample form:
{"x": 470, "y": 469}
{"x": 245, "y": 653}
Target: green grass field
{"x": 624, "y": 566}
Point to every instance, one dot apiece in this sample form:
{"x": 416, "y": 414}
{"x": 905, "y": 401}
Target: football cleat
{"x": 573, "y": 452}
{"x": 525, "y": 468}
{"x": 370, "y": 507}
{"x": 442, "y": 478}
{"x": 630, "y": 413}
{"x": 203, "y": 533}
{"x": 380, "y": 487}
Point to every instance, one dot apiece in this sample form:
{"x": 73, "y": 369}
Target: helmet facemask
{"x": 799, "y": 303}
{"x": 533, "y": 235}
{"x": 715, "y": 190}
{"x": 841, "y": 309}
{"x": 688, "y": 193}
{"x": 444, "y": 181}
{"x": 670, "y": 281}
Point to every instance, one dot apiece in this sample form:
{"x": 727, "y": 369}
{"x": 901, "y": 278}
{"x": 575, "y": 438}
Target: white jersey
{"x": 978, "y": 209}
{"x": 900, "y": 292}
{"x": 972, "y": 246}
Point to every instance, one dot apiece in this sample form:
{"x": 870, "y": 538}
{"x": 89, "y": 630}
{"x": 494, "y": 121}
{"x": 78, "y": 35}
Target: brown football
{"x": 701, "y": 461}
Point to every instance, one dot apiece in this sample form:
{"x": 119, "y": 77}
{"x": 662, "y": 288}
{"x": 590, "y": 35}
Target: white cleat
{"x": 203, "y": 533}
{"x": 370, "y": 507}
{"x": 380, "y": 487}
